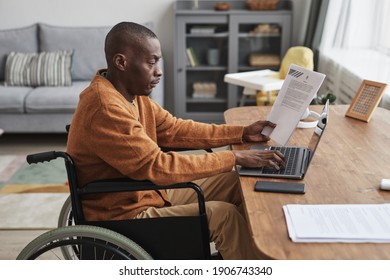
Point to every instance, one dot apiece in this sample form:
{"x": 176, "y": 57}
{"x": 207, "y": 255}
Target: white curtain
{"x": 355, "y": 45}
{"x": 357, "y": 24}
{"x": 382, "y": 38}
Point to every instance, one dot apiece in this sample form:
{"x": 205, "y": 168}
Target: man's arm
{"x": 177, "y": 133}
{"x": 121, "y": 142}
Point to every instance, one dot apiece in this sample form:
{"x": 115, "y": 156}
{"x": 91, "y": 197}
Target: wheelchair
{"x": 75, "y": 238}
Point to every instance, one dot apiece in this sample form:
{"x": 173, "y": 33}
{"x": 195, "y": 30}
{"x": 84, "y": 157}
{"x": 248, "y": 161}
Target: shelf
{"x": 211, "y": 35}
{"x": 206, "y": 68}
{"x": 207, "y": 7}
{"x": 206, "y": 100}
{"x": 248, "y": 35}
{"x": 237, "y": 34}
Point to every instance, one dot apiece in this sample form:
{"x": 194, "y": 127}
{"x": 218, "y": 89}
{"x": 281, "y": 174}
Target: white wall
{"x": 19, "y": 13}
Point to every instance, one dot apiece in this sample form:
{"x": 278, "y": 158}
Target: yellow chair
{"x": 299, "y": 55}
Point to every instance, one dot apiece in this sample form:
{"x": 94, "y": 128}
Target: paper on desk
{"x": 298, "y": 90}
{"x": 338, "y": 222}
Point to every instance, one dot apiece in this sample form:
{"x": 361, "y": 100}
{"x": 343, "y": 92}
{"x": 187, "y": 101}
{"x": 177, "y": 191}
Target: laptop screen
{"x": 319, "y": 130}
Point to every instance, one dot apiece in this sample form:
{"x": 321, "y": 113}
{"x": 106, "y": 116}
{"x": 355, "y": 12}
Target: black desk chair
{"x": 152, "y": 238}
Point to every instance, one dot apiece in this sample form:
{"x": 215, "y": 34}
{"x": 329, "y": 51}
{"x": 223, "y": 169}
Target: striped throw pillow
{"x": 38, "y": 69}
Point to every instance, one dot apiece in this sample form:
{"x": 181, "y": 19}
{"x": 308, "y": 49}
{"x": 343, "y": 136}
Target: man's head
{"x": 132, "y": 55}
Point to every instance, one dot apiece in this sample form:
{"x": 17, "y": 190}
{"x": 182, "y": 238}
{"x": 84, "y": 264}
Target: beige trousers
{"x": 227, "y": 226}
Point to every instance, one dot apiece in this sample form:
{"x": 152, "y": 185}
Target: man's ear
{"x": 119, "y": 61}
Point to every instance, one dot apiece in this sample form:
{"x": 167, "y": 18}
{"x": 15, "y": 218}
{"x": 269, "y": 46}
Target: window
{"x": 355, "y": 45}
{"x": 357, "y": 24}
{"x": 382, "y": 40}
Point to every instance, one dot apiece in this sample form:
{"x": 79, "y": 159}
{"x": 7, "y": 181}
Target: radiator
{"x": 346, "y": 69}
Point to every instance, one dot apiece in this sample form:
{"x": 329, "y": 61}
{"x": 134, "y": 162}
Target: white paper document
{"x": 338, "y": 222}
{"x": 298, "y": 90}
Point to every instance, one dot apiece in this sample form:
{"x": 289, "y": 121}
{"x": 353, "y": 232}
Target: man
{"x": 117, "y": 131}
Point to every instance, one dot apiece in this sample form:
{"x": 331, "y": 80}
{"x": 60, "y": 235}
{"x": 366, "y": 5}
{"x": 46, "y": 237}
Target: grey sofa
{"x": 47, "y": 108}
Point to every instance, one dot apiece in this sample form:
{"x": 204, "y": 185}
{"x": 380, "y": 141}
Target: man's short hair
{"x": 126, "y": 34}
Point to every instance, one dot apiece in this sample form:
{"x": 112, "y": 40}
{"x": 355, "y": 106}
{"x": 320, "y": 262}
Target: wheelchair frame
{"x": 119, "y": 239}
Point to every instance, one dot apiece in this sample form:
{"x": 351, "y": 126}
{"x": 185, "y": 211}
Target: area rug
{"x": 30, "y": 211}
{"x": 31, "y": 196}
{"x": 14, "y": 170}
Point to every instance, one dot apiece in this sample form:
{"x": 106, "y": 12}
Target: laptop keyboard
{"x": 291, "y": 155}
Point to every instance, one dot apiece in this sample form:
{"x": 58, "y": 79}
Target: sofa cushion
{"x": 18, "y": 40}
{"x": 12, "y": 99}
{"x": 54, "y": 99}
{"x": 38, "y": 69}
{"x": 87, "y": 44}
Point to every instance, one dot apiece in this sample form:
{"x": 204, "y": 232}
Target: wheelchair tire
{"x": 66, "y": 218}
{"x": 101, "y": 243}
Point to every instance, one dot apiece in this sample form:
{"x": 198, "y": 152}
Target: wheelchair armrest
{"x": 129, "y": 185}
{"x": 167, "y": 149}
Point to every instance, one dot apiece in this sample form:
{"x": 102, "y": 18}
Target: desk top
{"x": 349, "y": 163}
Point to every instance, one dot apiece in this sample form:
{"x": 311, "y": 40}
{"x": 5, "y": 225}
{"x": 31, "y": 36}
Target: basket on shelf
{"x": 259, "y": 5}
{"x": 264, "y": 60}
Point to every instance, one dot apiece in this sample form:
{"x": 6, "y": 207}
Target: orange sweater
{"x": 112, "y": 138}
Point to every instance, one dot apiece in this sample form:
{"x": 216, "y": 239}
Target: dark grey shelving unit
{"x": 235, "y": 41}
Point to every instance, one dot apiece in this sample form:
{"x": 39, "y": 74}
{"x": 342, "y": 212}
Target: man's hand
{"x": 260, "y": 158}
{"x": 252, "y": 133}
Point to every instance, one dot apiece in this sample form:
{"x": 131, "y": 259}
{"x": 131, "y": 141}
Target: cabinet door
{"x": 257, "y": 42}
{"x": 202, "y": 61}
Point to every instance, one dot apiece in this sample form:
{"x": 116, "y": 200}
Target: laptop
{"x": 298, "y": 158}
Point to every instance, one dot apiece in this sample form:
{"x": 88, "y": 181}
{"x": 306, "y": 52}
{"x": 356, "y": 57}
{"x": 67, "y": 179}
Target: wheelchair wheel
{"x": 85, "y": 242}
{"x": 66, "y": 218}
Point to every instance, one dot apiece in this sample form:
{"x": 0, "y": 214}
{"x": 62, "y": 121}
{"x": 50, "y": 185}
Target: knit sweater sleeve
{"x": 178, "y": 133}
{"x": 118, "y": 132}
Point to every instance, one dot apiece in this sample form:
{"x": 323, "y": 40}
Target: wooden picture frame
{"x": 366, "y": 100}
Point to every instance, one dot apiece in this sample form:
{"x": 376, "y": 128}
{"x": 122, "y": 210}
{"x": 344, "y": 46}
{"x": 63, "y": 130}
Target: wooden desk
{"x": 350, "y": 161}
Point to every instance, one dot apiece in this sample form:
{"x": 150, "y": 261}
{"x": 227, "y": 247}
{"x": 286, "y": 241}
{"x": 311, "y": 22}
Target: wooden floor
{"x": 13, "y": 241}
